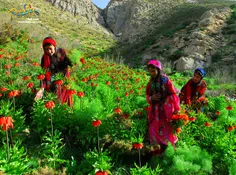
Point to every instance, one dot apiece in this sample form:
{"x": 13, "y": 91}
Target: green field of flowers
{"x": 105, "y": 130}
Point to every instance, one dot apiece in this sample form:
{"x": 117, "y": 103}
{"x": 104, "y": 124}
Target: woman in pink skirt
{"x": 164, "y": 102}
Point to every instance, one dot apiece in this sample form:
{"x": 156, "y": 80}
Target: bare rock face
{"x": 133, "y": 19}
{"x": 83, "y": 8}
{"x": 196, "y": 43}
{"x": 203, "y": 41}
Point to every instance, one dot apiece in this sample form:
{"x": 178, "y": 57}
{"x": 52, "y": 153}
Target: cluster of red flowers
{"x": 50, "y": 105}
{"x": 117, "y": 111}
{"x": 180, "y": 117}
{"x": 125, "y": 115}
{"x": 8, "y": 66}
{"x": 14, "y": 93}
{"x": 58, "y": 82}
{"x": 202, "y": 100}
{"x": 41, "y": 77}
{"x": 82, "y": 60}
{"x": 178, "y": 130}
{"x": 137, "y": 145}
{"x": 80, "y": 94}
{"x": 229, "y": 108}
{"x": 71, "y": 91}
{"x": 101, "y": 173}
{"x": 231, "y": 128}
{"x": 96, "y": 123}
{"x": 207, "y": 124}
{"x": 30, "y": 85}
{"x": 6, "y": 123}
{"x": 26, "y": 78}
{"x": 3, "y": 89}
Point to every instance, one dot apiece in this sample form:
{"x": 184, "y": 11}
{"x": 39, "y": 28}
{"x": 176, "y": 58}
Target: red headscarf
{"x": 46, "y": 58}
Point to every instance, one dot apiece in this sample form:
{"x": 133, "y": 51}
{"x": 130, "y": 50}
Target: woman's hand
{"x": 156, "y": 97}
{"x": 39, "y": 94}
{"x": 175, "y": 112}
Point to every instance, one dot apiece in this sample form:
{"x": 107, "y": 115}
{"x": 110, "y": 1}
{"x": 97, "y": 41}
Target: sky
{"x": 101, "y": 3}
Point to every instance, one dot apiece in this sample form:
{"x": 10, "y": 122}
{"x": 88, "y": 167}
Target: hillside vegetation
{"x": 70, "y": 31}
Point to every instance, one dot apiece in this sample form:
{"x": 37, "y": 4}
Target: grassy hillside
{"x": 69, "y": 30}
{"x": 106, "y": 123}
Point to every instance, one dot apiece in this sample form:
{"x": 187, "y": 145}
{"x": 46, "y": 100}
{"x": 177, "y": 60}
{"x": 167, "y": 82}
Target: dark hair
{"x": 153, "y": 67}
{"x": 47, "y": 44}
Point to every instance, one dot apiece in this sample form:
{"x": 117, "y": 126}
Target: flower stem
{"x": 213, "y": 135}
{"x": 14, "y": 104}
{"x": 230, "y": 139}
{"x": 11, "y": 137}
{"x": 80, "y": 104}
{"x": 8, "y": 149}
{"x": 51, "y": 121}
{"x": 98, "y": 140}
{"x": 139, "y": 154}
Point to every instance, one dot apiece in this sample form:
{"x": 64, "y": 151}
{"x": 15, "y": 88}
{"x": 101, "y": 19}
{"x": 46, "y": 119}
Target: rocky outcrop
{"x": 132, "y": 20}
{"x": 203, "y": 41}
{"x": 84, "y": 8}
{"x": 196, "y": 43}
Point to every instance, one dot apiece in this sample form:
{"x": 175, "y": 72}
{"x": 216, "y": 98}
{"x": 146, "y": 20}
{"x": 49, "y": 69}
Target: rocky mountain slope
{"x": 83, "y": 8}
{"x": 132, "y": 20}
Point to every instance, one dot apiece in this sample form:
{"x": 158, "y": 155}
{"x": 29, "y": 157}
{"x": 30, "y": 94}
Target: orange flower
{"x": 58, "y": 82}
{"x": 229, "y": 108}
{"x": 41, "y": 77}
{"x": 192, "y": 119}
{"x": 84, "y": 80}
{"x": 137, "y": 145}
{"x": 207, "y": 124}
{"x": 217, "y": 113}
{"x": 101, "y": 173}
{"x": 117, "y": 110}
{"x": 26, "y": 78}
{"x": 36, "y": 64}
{"x": 50, "y": 105}
{"x": 8, "y": 66}
{"x": 108, "y": 83}
{"x": 96, "y": 123}
{"x": 125, "y": 115}
{"x": 71, "y": 92}
{"x": 82, "y": 60}
{"x": 13, "y": 93}
{"x": 179, "y": 117}
{"x": 6, "y": 123}
{"x": 80, "y": 94}
{"x": 178, "y": 130}
{"x": 202, "y": 100}
{"x": 230, "y": 128}
{"x": 17, "y": 64}
{"x": 131, "y": 91}
{"x": 30, "y": 85}
{"x": 3, "y": 89}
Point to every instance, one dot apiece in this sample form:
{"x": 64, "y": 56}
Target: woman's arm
{"x": 148, "y": 92}
{"x": 173, "y": 96}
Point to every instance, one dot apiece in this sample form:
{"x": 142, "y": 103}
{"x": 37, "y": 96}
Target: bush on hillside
{"x": 7, "y": 32}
